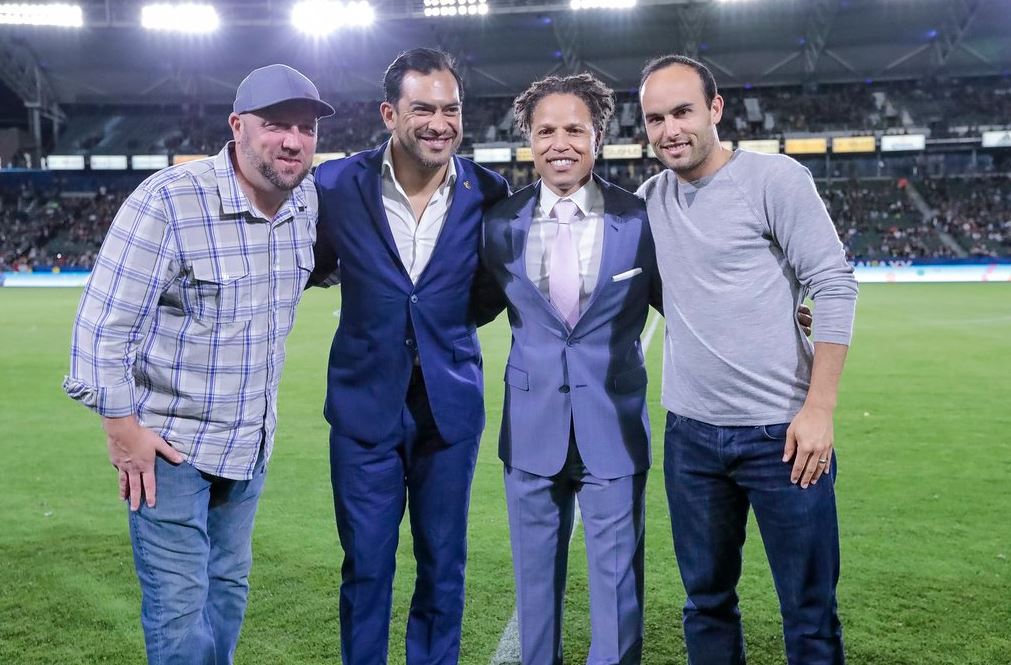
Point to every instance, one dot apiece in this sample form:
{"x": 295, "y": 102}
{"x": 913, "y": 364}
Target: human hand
{"x": 809, "y": 442}
{"x": 805, "y": 319}
{"x": 132, "y": 450}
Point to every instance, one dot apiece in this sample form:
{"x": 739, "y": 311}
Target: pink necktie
{"x": 563, "y": 275}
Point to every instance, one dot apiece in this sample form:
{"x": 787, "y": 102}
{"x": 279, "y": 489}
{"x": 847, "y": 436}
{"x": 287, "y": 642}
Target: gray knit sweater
{"x": 738, "y": 252}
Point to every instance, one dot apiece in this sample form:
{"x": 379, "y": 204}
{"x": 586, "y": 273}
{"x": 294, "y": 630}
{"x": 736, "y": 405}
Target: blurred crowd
{"x": 876, "y": 219}
{"x": 975, "y": 212}
{"x": 942, "y": 107}
{"x": 46, "y": 229}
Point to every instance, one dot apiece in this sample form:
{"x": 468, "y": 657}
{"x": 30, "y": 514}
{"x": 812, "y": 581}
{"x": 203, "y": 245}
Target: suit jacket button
{"x": 563, "y": 389}
{"x": 414, "y": 298}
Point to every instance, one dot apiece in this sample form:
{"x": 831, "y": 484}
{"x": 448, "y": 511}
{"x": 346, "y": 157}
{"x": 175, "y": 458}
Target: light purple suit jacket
{"x": 592, "y": 377}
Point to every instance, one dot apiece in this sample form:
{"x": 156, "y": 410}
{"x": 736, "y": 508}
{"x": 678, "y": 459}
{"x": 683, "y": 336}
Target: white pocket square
{"x": 628, "y": 274}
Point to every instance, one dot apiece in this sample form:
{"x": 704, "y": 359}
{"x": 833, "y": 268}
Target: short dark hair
{"x": 665, "y": 61}
{"x": 599, "y": 99}
{"x": 422, "y": 60}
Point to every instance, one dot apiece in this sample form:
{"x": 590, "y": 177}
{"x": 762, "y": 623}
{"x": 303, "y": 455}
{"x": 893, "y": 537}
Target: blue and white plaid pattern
{"x": 184, "y": 318}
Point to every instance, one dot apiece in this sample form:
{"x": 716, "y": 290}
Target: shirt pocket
{"x": 220, "y": 290}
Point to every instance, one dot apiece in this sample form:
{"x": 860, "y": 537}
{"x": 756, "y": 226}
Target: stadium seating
{"x": 880, "y": 215}
{"x": 975, "y": 211}
{"x": 943, "y": 108}
{"x": 877, "y": 219}
{"x": 41, "y": 230}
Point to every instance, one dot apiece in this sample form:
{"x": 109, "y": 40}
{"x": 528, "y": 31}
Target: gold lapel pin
{"x": 466, "y": 184}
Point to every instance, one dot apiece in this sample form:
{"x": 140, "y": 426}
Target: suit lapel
{"x": 465, "y": 194}
{"x": 610, "y": 246}
{"x": 370, "y": 183}
{"x": 520, "y": 236}
{"x": 519, "y": 230}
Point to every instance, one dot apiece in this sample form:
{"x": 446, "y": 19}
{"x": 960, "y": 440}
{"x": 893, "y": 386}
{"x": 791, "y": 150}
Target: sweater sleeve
{"x": 804, "y": 231}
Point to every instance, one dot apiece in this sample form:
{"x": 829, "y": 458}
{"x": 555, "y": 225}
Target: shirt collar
{"x": 586, "y": 198}
{"x": 390, "y": 175}
{"x": 233, "y": 199}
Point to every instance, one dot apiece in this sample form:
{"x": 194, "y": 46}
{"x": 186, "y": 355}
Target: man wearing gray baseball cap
{"x": 179, "y": 344}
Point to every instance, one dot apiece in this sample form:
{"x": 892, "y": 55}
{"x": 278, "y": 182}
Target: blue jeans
{"x": 373, "y": 482}
{"x": 193, "y": 552}
{"x": 713, "y": 475}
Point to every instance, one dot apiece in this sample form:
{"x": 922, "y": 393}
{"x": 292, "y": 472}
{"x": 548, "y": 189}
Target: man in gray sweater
{"x": 741, "y": 239}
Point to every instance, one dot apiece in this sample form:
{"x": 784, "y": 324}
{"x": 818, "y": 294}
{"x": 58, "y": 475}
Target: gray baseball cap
{"x": 274, "y": 84}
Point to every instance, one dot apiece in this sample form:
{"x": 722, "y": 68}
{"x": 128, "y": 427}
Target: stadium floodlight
{"x": 434, "y": 8}
{"x": 602, "y": 4}
{"x": 322, "y": 17}
{"x": 62, "y": 15}
{"x": 185, "y": 17}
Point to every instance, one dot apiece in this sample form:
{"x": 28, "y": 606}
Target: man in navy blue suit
{"x": 574, "y": 259}
{"x": 400, "y": 225}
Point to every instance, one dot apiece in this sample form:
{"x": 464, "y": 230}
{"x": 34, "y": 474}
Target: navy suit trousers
{"x": 373, "y": 481}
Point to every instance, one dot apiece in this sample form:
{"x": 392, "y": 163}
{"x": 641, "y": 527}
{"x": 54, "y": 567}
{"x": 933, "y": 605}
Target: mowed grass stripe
{"x": 924, "y": 456}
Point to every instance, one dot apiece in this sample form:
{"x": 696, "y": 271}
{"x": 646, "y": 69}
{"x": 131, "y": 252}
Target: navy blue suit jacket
{"x": 591, "y": 377}
{"x": 385, "y": 319}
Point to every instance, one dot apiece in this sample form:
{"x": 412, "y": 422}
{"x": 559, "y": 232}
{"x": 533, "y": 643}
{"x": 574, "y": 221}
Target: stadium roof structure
{"x": 747, "y": 42}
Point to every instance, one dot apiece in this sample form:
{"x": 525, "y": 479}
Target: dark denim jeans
{"x": 193, "y": 552}
{"x": 713, "y": 475}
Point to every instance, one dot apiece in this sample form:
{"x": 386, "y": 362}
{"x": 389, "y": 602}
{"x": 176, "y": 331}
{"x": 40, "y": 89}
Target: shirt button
{"x": 563, "y": 388}
{"x": 414, "y": 298}
{"x": 409, "y": 342}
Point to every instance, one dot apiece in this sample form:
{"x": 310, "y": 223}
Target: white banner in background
{"x": 993, "y": 272}
{"x": 884, "y": 274}
{"x": 896, "y": 143}
{"x": 998, "y": 139}
{"x": 493, "y": 155}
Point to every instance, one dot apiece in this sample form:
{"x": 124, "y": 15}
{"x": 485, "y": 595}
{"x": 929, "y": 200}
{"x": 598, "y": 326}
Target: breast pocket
{"x": 219, "y": 290}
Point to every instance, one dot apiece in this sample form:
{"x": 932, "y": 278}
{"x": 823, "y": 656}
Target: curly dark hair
{"x": 599, "y": 99}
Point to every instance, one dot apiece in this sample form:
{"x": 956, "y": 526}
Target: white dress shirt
{"x": 415, "y": 240}
{"x": 587, "y": 231}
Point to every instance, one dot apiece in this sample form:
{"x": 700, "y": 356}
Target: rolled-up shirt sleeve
{"x": 135, "y": 265}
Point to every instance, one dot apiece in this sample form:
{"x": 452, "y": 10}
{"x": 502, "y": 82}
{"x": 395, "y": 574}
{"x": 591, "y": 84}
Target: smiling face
{"x": 275, "y": 146}
{"x": 680, "y": 125}
{"x": 426, "y": 123}
{"x": 563, "y": 142}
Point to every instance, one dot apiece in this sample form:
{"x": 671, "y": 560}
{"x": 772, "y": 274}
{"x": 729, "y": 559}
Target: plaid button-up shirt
{"x": 184, "y": 318}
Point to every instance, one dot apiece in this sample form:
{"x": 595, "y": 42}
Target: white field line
{"x": 508, "y": 651}
{"x": 651, "y": 329}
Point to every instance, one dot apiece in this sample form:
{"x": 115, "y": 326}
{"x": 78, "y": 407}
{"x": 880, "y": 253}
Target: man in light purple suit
{"x": 574, "y": 263}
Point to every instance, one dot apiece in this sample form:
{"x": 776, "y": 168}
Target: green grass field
{"x": 923, "y": 435}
